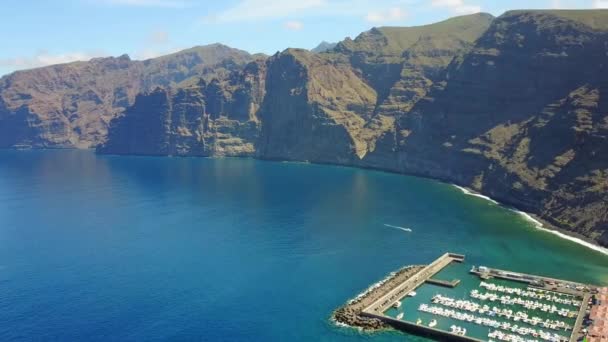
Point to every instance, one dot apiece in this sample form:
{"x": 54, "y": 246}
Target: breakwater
{"x": 351, "y": 313}
{"x": 365, "y": 310}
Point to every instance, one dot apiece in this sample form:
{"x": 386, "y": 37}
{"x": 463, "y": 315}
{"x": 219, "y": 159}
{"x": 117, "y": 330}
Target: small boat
{"x": 400, "y": 316}
{"x": 397, "y": 304}
{"x": 412, "y": 294}
{"x": 418, "y": 321}
{"x": 433, "y": 323}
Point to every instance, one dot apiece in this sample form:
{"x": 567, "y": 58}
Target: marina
{"x": 486, "y": 304}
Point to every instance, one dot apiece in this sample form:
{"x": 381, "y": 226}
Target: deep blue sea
{"x": 108, "y": 248}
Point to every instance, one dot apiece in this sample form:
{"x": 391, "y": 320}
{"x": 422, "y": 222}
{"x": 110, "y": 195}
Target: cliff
{"x": 514, "y": 107}
{"x": 214, "y": 118}
{"x": 522, "y": 117}
{"x": 70, "y": 105}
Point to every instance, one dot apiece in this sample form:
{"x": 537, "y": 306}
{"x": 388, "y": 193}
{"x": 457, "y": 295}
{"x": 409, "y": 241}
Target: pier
{"x": 377, "y": 308}
{"x": 577, "y": 334}
{"x": 443, "y": 283}
{"x": 385, "y": 302}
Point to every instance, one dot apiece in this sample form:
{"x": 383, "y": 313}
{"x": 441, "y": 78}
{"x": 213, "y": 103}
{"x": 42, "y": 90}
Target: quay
{"x": 544, "y": 283}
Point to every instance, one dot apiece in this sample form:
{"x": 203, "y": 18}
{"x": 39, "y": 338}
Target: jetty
{"x": 367, "y": 310}
{"x": 410, "y": 284}
{"x": 444, "y": 283}
{"x": 567, "y": 303}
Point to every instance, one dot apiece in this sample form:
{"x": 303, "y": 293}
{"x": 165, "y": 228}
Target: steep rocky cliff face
{"x": 334, "y": 106}
{"x": 522, "y": 117}
{"x": 210, "y": 118}
{"x": 70, "y": 105}
{"x": 514, "y": 107}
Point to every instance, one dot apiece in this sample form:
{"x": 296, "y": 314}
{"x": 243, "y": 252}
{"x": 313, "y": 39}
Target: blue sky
{"x": 41, "y": 32}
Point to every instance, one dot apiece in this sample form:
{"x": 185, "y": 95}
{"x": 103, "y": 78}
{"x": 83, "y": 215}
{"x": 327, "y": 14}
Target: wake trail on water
{"x": 397, "y": 227}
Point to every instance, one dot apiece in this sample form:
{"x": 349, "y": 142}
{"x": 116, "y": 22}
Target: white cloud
{"x": 456, "y": 6}
{"x": 158, "y": 37}
{"x": 148, "y": 3}
{"x": 263, "y": 9}
{"x": 294, "y": 25}
{"x": 388, "y": 15}
{"x": 44, "y": 58}
{"x": 572, "y": 4}
{"x": 600, "y": 4}
{"x": 260, "y": 10}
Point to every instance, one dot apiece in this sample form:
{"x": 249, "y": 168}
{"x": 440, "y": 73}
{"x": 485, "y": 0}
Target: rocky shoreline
{"x": 350, "y": 313}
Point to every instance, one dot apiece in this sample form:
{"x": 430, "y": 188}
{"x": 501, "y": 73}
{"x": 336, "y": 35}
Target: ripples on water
{"x": 144, "y": 248}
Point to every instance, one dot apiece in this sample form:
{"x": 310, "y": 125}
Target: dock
{"x": 377, "y": 308}
{"x": 385, "y": 302}
{"x": 576, "y": 331}
{"x": 541, "y": 282}
{"x": 425, "y": 331}
{"x": 444, "y": 283}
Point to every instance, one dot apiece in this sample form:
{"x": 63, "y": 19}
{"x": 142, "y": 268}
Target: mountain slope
{"x": 323, "y": 47}
{"x": 514, "y": 107}
{"x": 70, "y": 105}
{"x": 523, "y": 118}
{"x": 356, "y": 90}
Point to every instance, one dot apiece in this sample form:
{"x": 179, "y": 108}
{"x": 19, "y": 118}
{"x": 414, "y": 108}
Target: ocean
{"x": 127, "y": 248}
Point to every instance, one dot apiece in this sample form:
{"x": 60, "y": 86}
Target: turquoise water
{"x": 469, "y": 282}
{"x": 145, "y": 248}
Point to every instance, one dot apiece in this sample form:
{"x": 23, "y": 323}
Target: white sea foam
{"x": 371, "y": 288}
{"x": 539, "y": 225}
{"x": 472, "y": 193}
{"x": 397, "y": 227}
{"x": 340, "y": 324}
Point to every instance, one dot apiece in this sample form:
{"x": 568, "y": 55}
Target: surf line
{"x": 397, "y": 227}
{"x": 473, "y": 193}
{"x": 537, "y": 224}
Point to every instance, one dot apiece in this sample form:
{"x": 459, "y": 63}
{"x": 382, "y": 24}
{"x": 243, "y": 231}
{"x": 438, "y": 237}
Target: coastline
{"x": 539, "y": 224}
